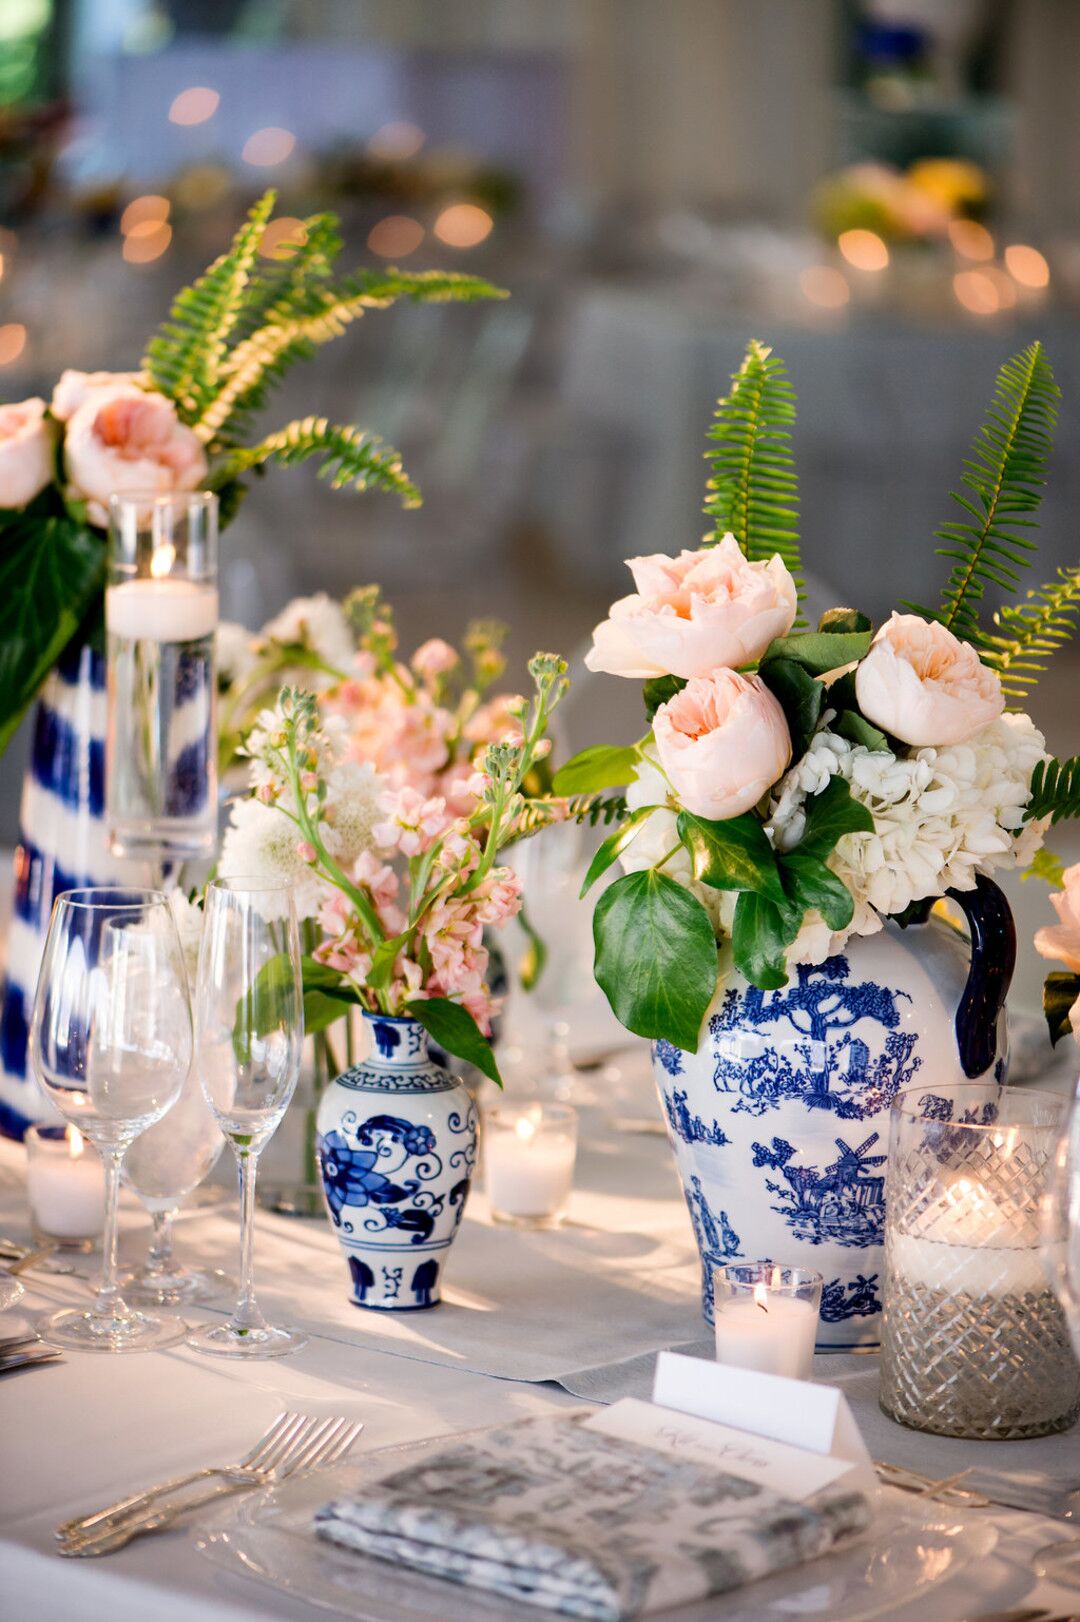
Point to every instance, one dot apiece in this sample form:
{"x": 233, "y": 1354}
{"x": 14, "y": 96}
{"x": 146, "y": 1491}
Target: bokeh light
{"x": 146, "y": 242}
{"x": 395, "y": 237}
{"x": 395, "y": 142}
{"x": 12, "y": 342}
{"x": 203, "y": 185}
{"x": 268, "y": 147}
{"x": 463, "y": 225}
{"x": 194, "y": 105}
{"x": 1026, "y": 265}
{"x": 282, "y": 237}
{"x": 970, "y": 239}
{"x": 824, "y": 286}
{"x": 977, "y": 291}
{"x": 863, "y": 249}
{"x": 150, "y": 209}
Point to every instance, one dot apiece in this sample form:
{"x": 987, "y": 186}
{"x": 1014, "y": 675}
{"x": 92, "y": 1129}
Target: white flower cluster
{"x": 657, "y": 836}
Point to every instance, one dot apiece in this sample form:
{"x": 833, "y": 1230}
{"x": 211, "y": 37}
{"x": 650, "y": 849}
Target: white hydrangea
{"x": 235, "y": 648}
{"x": 320, "y": 623}
{"x": 657, "y": 836}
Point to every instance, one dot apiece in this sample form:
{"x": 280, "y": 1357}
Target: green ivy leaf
{"x": 327, "y": 996}
{"x": 50, "y": 570}
{"x": 614, "y": 845}
{"x": 829, "y": 816}
{"x": 533, "y": 960}
{"x": 601, "y": 766}
{"x": 820, "y": 651}
{"x": 809, "y": 883}
{"x": 801, "y": 697}
{"x": 655, "y": 957}
{"x": 454, "y": 1028}
{"x": 383, "y": 959}
{"x": 760, "y": 935}
{"x": 844, "y": 619}
{"x": 856, "y": 729}
{"x": 658, "y": 689}
{"x": 731, "y": 855}
{"x": 1059, "y": 993}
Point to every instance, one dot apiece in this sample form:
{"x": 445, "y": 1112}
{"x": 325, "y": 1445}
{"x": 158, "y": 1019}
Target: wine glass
{"x": 1060, "y": 1562}
{"x": 110, "y": 1043}
{"x": 163, "y": 1166}
{"x": 249, "y": 1038}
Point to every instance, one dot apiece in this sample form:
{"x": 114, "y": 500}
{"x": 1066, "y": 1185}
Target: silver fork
{"x": 283, "y": 1429}
{"x": 330, "y": 1441}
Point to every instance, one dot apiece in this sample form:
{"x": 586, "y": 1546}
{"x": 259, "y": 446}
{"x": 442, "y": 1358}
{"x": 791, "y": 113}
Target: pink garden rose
{"x": 926, "y": 687}
{"x": 26, "y": 452}
{"x": 75, "y": 387}
{"x": 723, "y": 742}
{"x": 694, "y": 614}
{"x": 123, "y": 439}
{"x": 1061, "y": 941}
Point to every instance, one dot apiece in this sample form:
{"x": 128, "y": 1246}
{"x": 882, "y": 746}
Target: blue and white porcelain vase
{"x": 397, "y": 1149}
{"x": 62, "y": 845}
{"x": 780, "y": 1120}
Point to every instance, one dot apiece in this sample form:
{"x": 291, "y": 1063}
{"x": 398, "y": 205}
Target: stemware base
{"x": 10, "y": 1291}
{"x": 180, "y": 1288}
{"x": 129, "y": 1332}
{"x": 223, "y": 1340}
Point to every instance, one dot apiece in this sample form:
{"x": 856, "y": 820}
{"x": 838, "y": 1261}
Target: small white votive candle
{"x": 167, "y": 609}
{"x": 65, "y": 1186}
{"x": 529, "y": 1153}
{"x": 767, "y": 1317}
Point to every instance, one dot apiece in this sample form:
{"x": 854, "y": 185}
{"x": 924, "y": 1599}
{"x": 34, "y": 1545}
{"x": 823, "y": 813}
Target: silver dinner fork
{"x": 324, "y": 1445}
{"x": 282, "y": 1431}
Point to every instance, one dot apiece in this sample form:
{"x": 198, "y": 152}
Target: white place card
{"x": 790, "y": 1471}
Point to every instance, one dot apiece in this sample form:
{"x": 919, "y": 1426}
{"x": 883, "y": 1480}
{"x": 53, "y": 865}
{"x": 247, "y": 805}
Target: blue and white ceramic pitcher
{"x": 780, "y": 1121}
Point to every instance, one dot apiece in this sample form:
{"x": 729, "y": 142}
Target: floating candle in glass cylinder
{"x": 161, "y": 613}
{"x": 767, "y": 1317}
{"x": 65, "y": 1185}
{"x": 529, "y": 1154}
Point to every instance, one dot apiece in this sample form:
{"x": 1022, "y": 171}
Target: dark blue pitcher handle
{"x": 993, "y": 959}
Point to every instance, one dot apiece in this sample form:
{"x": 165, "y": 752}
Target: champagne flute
{"x": 111, "y": 1043}
{"x": 163, "y": 1166}
{"x": 249, "y": 1038}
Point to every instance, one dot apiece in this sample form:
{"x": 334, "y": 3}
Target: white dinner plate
{"x": 912, "y": 1546}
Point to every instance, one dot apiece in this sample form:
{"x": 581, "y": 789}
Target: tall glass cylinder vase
{"x": 161, "y": 611}
{"x": 974, "y": 1340}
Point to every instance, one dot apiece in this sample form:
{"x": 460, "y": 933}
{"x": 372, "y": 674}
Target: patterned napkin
{"x": 549, "y": 1514}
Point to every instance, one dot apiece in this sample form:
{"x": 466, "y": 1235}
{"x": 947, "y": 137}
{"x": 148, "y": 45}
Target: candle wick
{"x": 762, "y": 1305}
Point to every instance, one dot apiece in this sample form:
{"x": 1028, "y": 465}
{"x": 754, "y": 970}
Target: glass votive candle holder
{"x": 65, "y": 1185}
{"x": 767, "y": 1317}
{"x": 529, "y": 1153}
{"x": 974, "y": 1341}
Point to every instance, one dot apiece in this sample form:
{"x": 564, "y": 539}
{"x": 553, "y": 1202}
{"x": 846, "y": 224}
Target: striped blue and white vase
{"x": 62, "y": 845}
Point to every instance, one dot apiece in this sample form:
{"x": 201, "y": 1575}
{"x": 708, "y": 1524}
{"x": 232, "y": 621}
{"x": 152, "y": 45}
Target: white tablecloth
{"x": 83, "y": 1430}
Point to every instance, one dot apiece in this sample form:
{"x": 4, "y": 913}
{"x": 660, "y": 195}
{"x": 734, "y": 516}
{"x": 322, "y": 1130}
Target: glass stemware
{"x": 1060, "y": 1562}
{"x": 111, "y": 1043}
{"x": 163, "y": 1166}
{"x": 249, "y": 1036}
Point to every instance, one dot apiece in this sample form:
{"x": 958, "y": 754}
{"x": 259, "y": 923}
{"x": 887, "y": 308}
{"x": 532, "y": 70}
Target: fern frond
{"x": 1005, "y": 477}
{"x": 278, "y": 287}
{"x": 185, "y": 357}
{"x": 319, "y": 313}
{"x": 349, "y": 457}
{"x": 595, "y": 809}
{"x": 1055, "y": 791}
{"x": 1027, "y": 633}
{"x": 753, "y": 491}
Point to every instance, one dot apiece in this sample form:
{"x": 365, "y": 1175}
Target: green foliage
{"x": 327, "y": 996}
{"x": 731, "y": 855}
{"x": 349, "y": 456}
{"x": 655, "y": 957}
{"x": 820, "y": 651}
{"x": 533, "y": 959}
{"x": 1060, "y": 992}
{"x": 600, "y": 766}
{"x": 829, "y": 816}
{"x": 801, "y": 697}
{"x": 51, "y": 569}
{"x": 844, "y": 619}
{"x": 614, "y": 845}
{"x": 1026, "y": 634}
{"x": 753, "y": 490}
{"x": 454, "y": 1028}
{"x": 658, "y": 690}
{"x": 1004, "y": 476}
{"x": 594, "y": 809}
{"x": 1055, "y": 791}
{"x": 1046, "y": 865}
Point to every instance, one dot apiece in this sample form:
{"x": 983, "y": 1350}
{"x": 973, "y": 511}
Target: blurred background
{"x": 888, "y": 191}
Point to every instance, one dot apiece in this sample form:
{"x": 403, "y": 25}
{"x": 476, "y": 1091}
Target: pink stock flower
{"x": 382, "y": 884}
{"x": 494, "y": 721}
{"x": 413, "y": 823}
{"x": 498, "y": 897}
{"x": 433, "y": 659}
{"x": 341, "y": 950}
{"x": 306, "y": 850}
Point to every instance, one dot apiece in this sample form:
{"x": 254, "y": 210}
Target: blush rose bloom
{"x": 1061, "y": 941}
{"x": 723, "y": 742}
{"x": 695, "y": 614}
{"x": 75, "y": 387}
{"x": 123, "y": 439}
{"x": 924, "y": 685}
{"x": 26, "y": 452}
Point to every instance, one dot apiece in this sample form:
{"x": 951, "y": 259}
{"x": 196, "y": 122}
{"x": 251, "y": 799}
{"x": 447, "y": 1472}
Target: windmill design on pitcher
{"x": 844, "y": 1204}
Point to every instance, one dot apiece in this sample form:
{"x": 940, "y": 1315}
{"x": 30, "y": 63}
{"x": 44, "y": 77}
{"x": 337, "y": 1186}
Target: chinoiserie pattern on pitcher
{"x": 780, "y": 1121}
{"x": 397, "y": 1150}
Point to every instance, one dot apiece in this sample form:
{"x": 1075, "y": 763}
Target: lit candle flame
{"x": 761, "y": 1297}
{"x": 76, "y": 1142}
{"x": 525, "y": 1129}
{"x": 162, "y": 561}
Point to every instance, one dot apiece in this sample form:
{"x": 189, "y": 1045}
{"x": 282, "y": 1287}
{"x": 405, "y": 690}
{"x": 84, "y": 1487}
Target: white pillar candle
{"x": 161, "y": 610}
{"x": 65, "y": 1185}
{"x": 772, "y": 1333}
{"x": 967, "y": 1242}
{"x": 529, "y": 1160}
